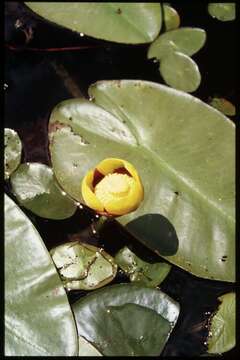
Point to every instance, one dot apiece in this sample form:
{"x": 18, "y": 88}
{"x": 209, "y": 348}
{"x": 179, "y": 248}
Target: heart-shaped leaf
{"x": 222, "y": 11}
{"x": 180, "y": 150}
{"x": 12, "y": 152}
{"x": 137, "y": 320}
{"x": 171, "y": 17}
{"x": 83, "y": 266}
{"x": 185, "y": 39}
{"x": 38, "y": 317}
{"x": 140, "y": 271}
{"x": 180, "y": 71}
{"x": 222, "y": 332}
{"x": 34, "y": 186}
{"x": 132, "y": 23}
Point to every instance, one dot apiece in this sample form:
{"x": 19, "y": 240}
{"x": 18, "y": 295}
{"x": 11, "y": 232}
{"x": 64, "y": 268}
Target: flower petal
{"x": 88, "y": 195}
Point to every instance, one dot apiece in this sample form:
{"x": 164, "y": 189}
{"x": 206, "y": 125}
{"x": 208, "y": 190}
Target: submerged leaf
{"x": 132, "y": 23}
{"x": 223, "y": 105}
{"x": 171, "y": 17}
{"x": 130, "y": 320}
{"x": 183, "y": 145}
{"x": 34, "y": 186}
{"x": 186, "y": 40}
{"x": 12, "y": 152}
{"x": 180, "y": 72}
{"x": 38, "y": 318}
{"x": 222, "y": 11}
{"x": 140, "y": 271}
{"x": 222, "y": 332}
{"x": 83, "y": 266}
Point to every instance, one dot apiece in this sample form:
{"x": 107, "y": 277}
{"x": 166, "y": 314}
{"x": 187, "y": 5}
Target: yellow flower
{"x": 112, "y": 188}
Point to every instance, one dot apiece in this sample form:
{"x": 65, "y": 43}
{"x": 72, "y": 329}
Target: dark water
{"x": 37, "y": 81}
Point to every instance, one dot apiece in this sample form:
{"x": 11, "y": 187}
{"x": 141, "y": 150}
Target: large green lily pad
{"x": 38, "y": 317}
{"x": 184, "y": 151}
{"x": 34, "y": 186}
{"x": 132, "y": 23}
{"x": 137, "y": 320}
{"x": 222, "y": 333}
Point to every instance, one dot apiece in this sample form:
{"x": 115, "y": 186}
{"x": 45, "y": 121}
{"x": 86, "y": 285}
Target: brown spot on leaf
{"x": 119, "y": 11}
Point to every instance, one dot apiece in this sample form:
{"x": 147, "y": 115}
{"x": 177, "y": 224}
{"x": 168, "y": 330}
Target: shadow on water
{"x": 156, "y": 232}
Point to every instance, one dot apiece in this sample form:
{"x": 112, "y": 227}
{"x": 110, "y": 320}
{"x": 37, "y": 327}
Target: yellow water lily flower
{"x": 113, "y": 188}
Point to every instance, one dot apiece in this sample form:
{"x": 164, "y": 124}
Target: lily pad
{"x": 180, "y": 72}
{"x": 171, "y": 17}
{"x": 12, "y": 152}
{"x": 132, "y": 23}
{"x": 83, "y": 266}
{"x": 222, "y": 11}
{"x": 128, "y": 313}
{"x": 223, "y": 105}
{"x": 181, "y": 147}
{"x": 140, "y": 271}
{"x": 38, "y": 317}
{"x": 34, "y": 186}
{"x": 86, "y": 348}
{"x": 186, "y": 40}
{"x": 223, "y": 326}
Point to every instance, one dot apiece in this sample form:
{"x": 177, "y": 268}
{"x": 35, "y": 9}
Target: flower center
{"x": 113, "y": 185}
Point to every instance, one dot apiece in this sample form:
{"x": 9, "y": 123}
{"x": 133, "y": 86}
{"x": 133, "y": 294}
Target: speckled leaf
{"x": 38, "y": 317}
{"x": 83, "y": 266}
{"x": 12, "y": 152}
{"x": 140, "y": 271}
{"x": 34, "y": 186}
{"x": 137, "y": 320}
{"x": 171, "y": 18}
{"x": 222, "y": 11}
{"x": 223, "y": 326}
{"x": 86, "y": 348}
{"x": 179, "y": 145}
{"x": 180, "y": 71}
{"x": 132, "y": 23}
{"x": 223, "y": 105}
{"x": 186, "y": 40}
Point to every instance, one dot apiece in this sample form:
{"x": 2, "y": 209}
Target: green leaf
{"x": 185, "y": 39}
{"x": 222, "y": 333}
{"x": 132, "y": 23}
{"x": 140, "y": 271}
{"x": 223, "y": 105}
{"x": 12, "y": 152}
{"x": 86, "y": 348}
{"x": 83, "y": 266}
{"x": 38, "y": 318}
{"x": 171, "y": 18}
{"x": 180, "y": 71}
{"x": 181, "y": 147}
{"x": 34, "y": 186}
{"x": 137, "y": 320}
{"x": 222, "y": 11}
